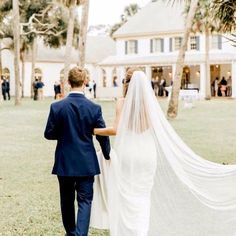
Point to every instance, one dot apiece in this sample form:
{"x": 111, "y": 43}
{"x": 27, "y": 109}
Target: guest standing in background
{"x": 40, "y": 89}
{"x": 229, "y": 87}
{"x": 57, "y": 90}
{"x": 223, "y": 86}
{"x": 7, "y": 84}
{"x": 94, "y": 89}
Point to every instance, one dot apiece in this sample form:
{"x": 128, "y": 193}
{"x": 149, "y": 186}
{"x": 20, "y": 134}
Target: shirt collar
{"x": 76, "y": 92}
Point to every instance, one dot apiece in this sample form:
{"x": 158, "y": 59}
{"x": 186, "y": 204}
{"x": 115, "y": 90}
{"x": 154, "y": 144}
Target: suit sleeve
{"x": 51, "y": 128}
{"x": 104, "y": 141}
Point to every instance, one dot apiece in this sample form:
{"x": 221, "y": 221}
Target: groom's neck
{"x": 77, "y": 89}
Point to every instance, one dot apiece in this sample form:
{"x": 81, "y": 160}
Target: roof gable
{"x": 156, "y": 17}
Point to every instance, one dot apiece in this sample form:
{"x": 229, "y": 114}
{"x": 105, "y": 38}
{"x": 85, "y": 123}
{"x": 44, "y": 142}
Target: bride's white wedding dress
{"x": 155, "y": 185}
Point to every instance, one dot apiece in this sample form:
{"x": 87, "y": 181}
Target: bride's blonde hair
{"x": 128, "y": 77}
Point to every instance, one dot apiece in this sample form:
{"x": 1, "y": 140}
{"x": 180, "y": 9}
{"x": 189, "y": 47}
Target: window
{"x": 193, "y": 43}
{"x": 216, "y": 42}
{"x": 178, "y": 42}
{"x": 157, "y": 45}
{"x": 131, "y": 47}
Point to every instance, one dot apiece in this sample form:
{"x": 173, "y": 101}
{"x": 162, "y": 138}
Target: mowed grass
{"x": 29, "y": 197}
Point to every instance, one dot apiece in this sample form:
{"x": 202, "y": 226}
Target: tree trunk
{"x": 207, "y": 65}
{"x": 22, "y": 58}
{"x": 83, "y": 33}
{"x": 69, "y": 43}
{"x": 33, "y": 61}
{"x": 173, "y": 103}
{"x": 16, "y": 34}
{"x": 1, "y": 98}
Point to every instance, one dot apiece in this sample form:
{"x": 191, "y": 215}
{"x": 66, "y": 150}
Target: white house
{"x": 151, "y": 39}
{"x": 50, "y": 63}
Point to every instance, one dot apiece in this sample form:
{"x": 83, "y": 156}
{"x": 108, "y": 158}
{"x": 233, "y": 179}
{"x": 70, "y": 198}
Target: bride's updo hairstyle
{"x": 128, "y": 77}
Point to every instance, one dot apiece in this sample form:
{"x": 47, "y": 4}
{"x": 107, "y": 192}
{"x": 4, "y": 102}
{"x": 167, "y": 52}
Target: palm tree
{"x": 129, "y": 11}
{"x": 71, "y": 4}
{"x": 16, "y": 33}
{"x": 173, "y": 103}
{"x": 224, "y": 13}
{"x": 83, "y": 33}
{"x": 203, "y": 22}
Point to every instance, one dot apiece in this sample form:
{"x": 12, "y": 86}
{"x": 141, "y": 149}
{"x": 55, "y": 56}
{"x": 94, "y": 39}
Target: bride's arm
{"x": 109, "y": 131}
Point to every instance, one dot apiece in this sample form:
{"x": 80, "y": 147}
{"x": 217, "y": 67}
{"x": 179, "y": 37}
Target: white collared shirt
{"x": 76, "y": 92}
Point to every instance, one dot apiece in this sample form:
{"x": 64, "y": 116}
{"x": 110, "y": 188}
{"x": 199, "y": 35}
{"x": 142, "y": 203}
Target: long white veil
{"x": 190, "y": 196}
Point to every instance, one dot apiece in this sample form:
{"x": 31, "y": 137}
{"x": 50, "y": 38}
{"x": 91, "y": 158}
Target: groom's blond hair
{"x": 77, "y": 77}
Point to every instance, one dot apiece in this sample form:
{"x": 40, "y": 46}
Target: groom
{"x": 71, "y": 122}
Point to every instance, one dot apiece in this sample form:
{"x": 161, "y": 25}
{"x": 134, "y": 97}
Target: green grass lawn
{"x": 29, "y": 198}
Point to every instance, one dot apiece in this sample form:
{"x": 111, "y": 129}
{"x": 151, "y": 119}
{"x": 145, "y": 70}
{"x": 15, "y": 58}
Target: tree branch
{"x": 44, "y": 32}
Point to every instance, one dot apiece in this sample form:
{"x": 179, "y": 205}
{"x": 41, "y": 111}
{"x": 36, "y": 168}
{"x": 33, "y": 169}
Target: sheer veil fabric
{"x": 155, "y": 185}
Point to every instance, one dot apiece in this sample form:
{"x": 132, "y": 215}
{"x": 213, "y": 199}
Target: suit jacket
{"x": 71, "y": 122}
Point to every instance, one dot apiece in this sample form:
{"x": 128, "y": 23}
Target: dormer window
{"x": 157, "y": 45}
{"x": 131, "y": 47}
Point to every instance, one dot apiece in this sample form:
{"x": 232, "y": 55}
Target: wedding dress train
{"x": 155, "y": 185}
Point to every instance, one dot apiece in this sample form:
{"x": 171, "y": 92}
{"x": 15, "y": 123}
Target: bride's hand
{"x": 95, "y": 131}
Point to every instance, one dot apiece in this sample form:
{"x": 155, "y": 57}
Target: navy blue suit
{"x": 71, "y": 122}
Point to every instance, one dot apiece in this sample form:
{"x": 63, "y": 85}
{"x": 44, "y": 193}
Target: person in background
{"x": 40, "y": 89}
{"x": 162, "y": 91}
{"x": 7, "y": 84}
{"x": 223, "y": 86}
{"x": 115, "y": 81}
{"x": 57, "y": 90}
{"x": 156, "y": 86}
{"x": 229, "y": 87}
{"x": 152, "y": 82}
{"x": 35, "y": 89}
{"x": 3, "y": 83}
{"x": 90, "y": 86}
{"x": 94, "y": 89}
{"x": 216, "y": 86}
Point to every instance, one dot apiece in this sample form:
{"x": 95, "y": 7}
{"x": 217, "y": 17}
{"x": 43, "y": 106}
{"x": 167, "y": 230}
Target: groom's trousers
{"x": 82, "y": 187}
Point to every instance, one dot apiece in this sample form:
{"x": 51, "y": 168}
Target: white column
{"x": 149, "y": 72}
{"x": 109, "y": 71}
{"x": 233, "y": 75}
{"x": 202, "y": 80}
{"x": 100, "y": 77}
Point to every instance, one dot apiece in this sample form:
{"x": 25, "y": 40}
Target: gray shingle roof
{"x": 155, "y": 17}
{"x": 97, "y": 49}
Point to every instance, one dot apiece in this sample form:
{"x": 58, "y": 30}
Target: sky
{"x": 109, "y": 11}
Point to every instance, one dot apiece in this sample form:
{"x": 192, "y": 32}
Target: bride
{"x": 155, "y": 185}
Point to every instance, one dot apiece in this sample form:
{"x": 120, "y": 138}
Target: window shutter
{"x": 126, "y": 47}
{"x": 198, "y": 43}
{"x": 170, "y": 45}
{"x": 219, "y": 42}
{"x": 162, "y": 45}
{"x": 151, "y": 45}
{"x": 136, "y": 46}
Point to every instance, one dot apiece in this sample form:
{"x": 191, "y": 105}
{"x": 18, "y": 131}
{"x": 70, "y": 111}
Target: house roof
{"x": 156, "y": 17}
{"x": 97, "y": 49}
{"x": 168, "y": 59}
